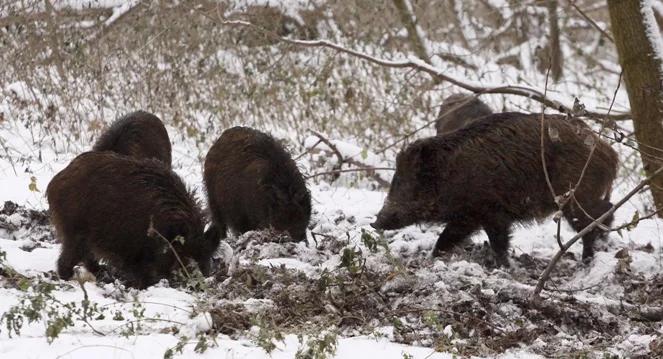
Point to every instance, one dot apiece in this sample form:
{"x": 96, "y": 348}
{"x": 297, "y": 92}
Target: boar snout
{"x": 388, "y": 218}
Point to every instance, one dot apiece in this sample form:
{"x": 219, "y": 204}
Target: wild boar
{"x": 106, "y": 206}
{"x": 490, "y": 174}
{"x": 138, "y": 134}
{"x": 459, "y": 110}
{"x": 253, "y": 183}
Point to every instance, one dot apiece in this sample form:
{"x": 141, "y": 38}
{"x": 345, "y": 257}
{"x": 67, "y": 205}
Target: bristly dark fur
{"x": 102, "y": 205}
{"x": 458, "y": 111}
{"x": 489, "y": 175}
{"x": 138, "y": 134}
{"x": 253, "y": 183}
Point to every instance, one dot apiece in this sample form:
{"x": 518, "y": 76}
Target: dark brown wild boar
{"x": 489, "y": 175}
{"x": 139, "y": 134}
{"x": 102, "y": 205}
{"x": 253, "y": 183}
{"x": 459, "y": 110}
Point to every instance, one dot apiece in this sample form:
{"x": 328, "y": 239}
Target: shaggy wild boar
{"x": 489, "y": 175}
{"x": 139, "y": 134}
{"x": 102, "y": 205}
{"x": 253, "y": 183}
{"x": 459, "y": 110}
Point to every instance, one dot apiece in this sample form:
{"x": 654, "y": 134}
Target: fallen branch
{"x": 421, "y": 65}
{"x": 333, "y": 147}
{"x": 643, "y": 313}
{"x": 337, "y": 169}
{"x": 546, "y": 273}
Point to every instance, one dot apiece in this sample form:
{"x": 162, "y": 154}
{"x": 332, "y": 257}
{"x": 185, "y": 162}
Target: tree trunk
{"x": 635, "y": 32}
{"x": 556, "y": 59}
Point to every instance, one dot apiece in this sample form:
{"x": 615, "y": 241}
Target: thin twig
{"x": 307, "y": 151}
{"x": 146, "y": 320}
{"x": 572, "y": 290}
{"x": 543, "y": 160}
{"x": 11, "y": 160}
{"x": 151, "y": 231}
{"x": 636, "y": 221}
{"x": 591, "y": 22}
{"x": 82, "y": 317}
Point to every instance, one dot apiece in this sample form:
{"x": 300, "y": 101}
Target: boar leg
{"x": 453, "y": 233}
{"x": 581, "y": 216}
{"x": 499, "y": 233}
{"x": 141, "y": 275}
{"x": 73, "y": 251}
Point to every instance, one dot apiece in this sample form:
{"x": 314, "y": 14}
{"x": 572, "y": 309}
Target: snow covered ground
{"x": 159, "y": 317}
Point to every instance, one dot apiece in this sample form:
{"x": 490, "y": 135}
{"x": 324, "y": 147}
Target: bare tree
{"x": 639, "y": 45}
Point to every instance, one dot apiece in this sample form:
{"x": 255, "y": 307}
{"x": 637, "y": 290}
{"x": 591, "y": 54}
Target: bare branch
{"x": 333, "y": 147}
{"x": 543, "y": 162}
{"x": 634, "y": 222}
{"x": 349, "y": 160}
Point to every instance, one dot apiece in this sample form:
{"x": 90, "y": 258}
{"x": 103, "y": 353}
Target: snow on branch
{"x": 437, "y": 73}
{"x": 120, "y": 12}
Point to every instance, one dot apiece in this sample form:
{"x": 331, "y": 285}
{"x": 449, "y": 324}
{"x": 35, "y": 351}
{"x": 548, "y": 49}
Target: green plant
{"x": 352, "y": 260}
{"x": 321, "y": 346}
{"x": 39, "y": 303}
{"x": 267, "y": 334}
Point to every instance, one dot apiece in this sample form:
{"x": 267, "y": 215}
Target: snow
{"x": 84, "y": 346}
{"x": 120, "y": 10}
{"x": 87, "y": 4}
{"x": 21, "y": 90}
